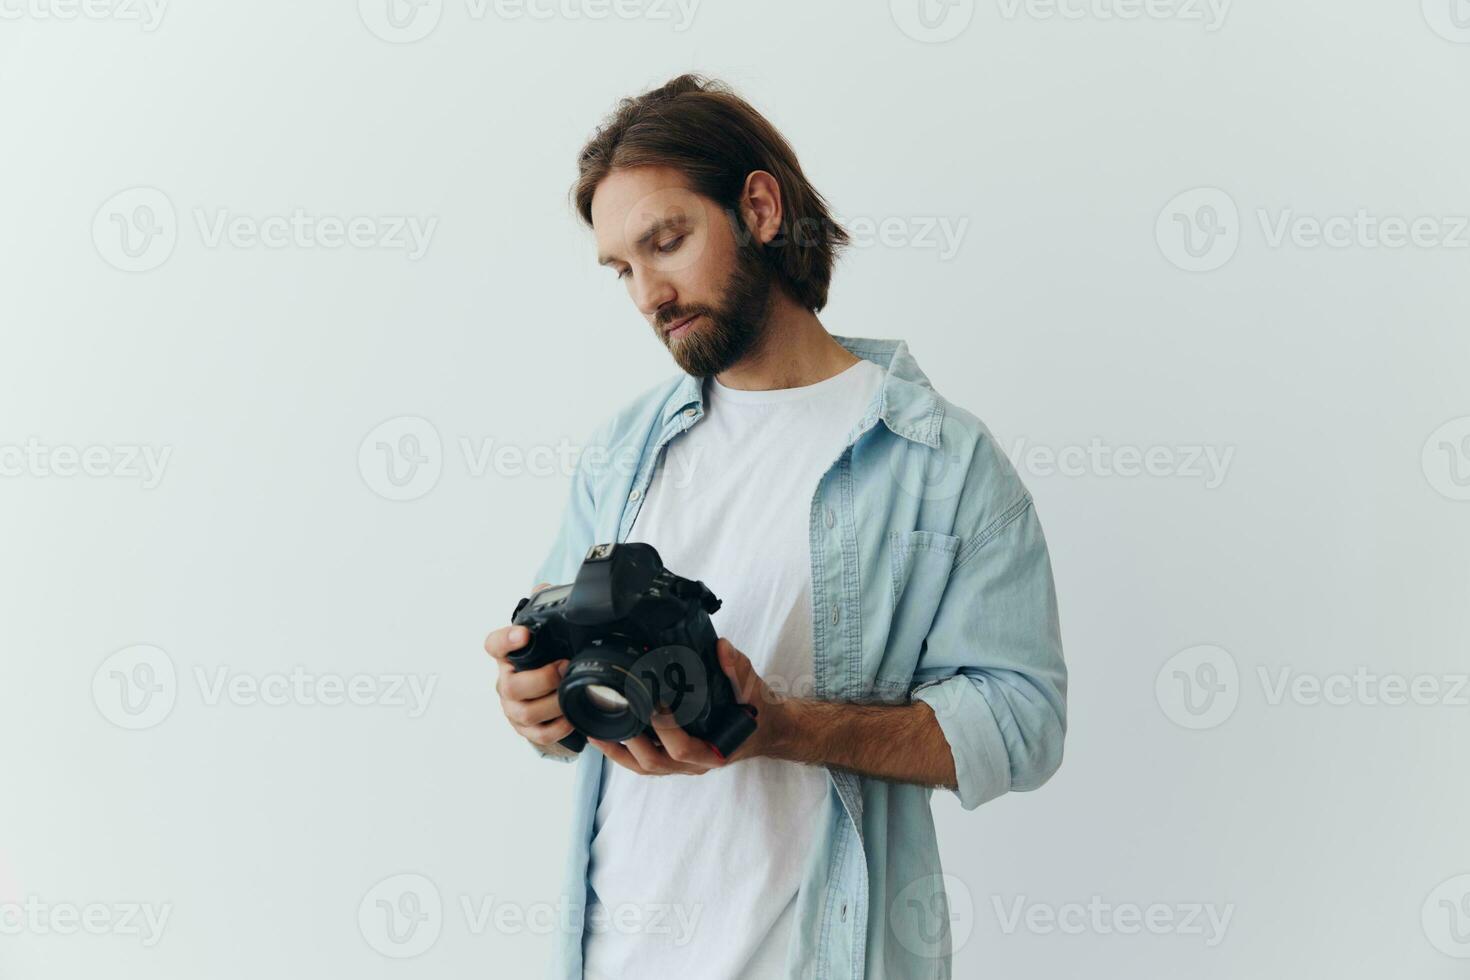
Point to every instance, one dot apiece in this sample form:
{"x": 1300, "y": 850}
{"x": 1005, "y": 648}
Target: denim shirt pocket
{"x": 920, "y": 563}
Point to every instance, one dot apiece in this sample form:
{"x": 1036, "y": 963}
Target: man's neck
{"x": 795, "y": 351}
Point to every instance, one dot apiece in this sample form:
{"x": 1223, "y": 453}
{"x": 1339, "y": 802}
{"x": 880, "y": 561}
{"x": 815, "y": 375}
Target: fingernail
{"x": 562, "y": 670}
{"x": 518, "y": 634}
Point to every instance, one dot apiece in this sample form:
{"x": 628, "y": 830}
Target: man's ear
{"x": 760, "y": 205}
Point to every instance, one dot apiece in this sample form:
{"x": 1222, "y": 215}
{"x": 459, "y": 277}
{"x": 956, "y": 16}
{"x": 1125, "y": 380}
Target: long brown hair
{"x": 702, "y": 128}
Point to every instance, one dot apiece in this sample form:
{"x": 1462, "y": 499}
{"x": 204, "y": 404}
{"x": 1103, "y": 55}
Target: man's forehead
{"x": 630, "y": 208}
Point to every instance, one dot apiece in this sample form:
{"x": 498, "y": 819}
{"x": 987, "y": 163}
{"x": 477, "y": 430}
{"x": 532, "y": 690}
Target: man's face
{"x": 705, "y": 293}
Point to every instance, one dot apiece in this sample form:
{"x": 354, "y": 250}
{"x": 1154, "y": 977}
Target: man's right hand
{"x": 528, "y": 698}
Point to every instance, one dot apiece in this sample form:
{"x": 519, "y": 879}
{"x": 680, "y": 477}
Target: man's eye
{"x": 622, "y": 273}
{"x": 671, "y": 246}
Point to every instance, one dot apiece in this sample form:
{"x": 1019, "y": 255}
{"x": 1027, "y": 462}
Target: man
{"x": 888, "y": 597}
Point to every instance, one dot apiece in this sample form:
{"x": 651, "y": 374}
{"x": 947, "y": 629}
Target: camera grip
{"x": 729, "y": 727}
{"x": 575, "y": 741}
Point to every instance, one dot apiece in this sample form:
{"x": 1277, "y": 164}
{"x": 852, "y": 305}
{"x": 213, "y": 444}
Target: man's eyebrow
{"x": 677, "y": 221}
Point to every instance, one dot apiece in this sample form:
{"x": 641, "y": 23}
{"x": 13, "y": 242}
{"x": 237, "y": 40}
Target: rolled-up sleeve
{"x": 992, "y": 667}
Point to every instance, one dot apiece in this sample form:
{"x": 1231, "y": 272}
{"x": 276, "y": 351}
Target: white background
{"x": 1060, "y": 138}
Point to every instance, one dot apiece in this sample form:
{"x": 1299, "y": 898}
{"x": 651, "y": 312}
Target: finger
{"x": 547, "y": 733}
{"x": 651, "y": 758}
{"x": 505, "y": 641}
{"x": 533, "y": 712}
{"x": 616, "y": 753}
{"x": 682, "y": 747}
{"x": 528, "y": 685}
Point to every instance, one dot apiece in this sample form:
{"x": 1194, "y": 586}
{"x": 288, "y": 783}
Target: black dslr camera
{"x": 637, "y": 636}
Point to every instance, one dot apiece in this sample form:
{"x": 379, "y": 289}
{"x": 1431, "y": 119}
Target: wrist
{"x": 778, "y": 726}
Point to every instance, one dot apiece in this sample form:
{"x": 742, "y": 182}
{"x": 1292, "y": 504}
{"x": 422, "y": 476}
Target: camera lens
{"x": 601, "y": 696}
{"x": 605, "y": 698}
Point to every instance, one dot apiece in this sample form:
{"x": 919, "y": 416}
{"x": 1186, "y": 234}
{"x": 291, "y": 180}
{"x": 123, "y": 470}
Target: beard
{"x": 733, "y": 328}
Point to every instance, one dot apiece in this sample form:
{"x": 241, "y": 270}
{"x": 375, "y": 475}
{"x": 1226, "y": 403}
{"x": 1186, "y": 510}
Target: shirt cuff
{"x": 982, "y": 764}
{"x": 553, "y": 755}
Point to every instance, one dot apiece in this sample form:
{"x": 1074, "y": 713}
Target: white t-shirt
{"x": 697, "y": 875}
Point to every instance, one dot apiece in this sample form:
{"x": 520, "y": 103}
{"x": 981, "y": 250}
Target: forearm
{"x": 898, "y": 742}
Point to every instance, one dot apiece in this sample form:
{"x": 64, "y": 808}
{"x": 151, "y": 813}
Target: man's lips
{"x": 681, "y": 327}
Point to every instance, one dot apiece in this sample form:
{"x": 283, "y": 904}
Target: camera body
{"x": 636, "y": 637}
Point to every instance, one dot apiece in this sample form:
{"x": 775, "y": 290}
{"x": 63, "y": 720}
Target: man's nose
{"x": 652, "y": 293}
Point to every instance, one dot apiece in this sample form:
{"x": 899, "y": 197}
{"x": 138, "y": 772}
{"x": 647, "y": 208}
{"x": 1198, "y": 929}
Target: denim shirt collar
{"x": 906, "y": 401}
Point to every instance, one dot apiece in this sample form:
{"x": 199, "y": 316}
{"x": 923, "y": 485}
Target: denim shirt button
{"x": 635, "y": 494}
{"x": 689, "y": 413}
{"x": 834, "y": 614}
{"x": 831, "y": 517}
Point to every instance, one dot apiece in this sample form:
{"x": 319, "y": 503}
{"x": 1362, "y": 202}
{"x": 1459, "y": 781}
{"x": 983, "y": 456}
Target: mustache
{"x": 665, "y": 321}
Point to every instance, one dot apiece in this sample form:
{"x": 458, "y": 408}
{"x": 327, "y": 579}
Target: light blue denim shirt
{"x": 930, "y": 582}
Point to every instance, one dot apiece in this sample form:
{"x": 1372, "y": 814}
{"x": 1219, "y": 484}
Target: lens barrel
{"x": 602, "y": 697}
